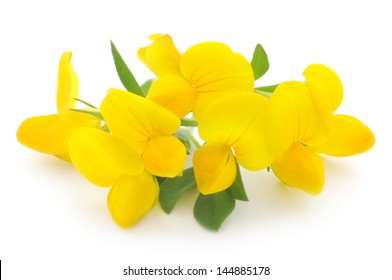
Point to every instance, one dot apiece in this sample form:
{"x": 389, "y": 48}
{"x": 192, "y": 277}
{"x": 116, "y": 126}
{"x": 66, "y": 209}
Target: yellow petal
{"x": 214, "y": 70}
{"x": 349, "y": 137}
{"x": 135, "y": 119}
{"x": 161, "y": 56}
{"x": 131, "y": 198}
{"x": 174, "y": 93}
{"x": 300, "y": 168}
{"x": 214, "y": 167}
{"x": 164, "y": 156}
{"x": 238, "y": 120}
{"x": 329, "y": 79}
{"x": 292, "y": 117}
{"x": 50, "y": 135}
{"x": 102, "y": 157}
{"x": 67, "y": 86}
{"x": 322, "y": 103}
{"x": 65, "y": 157}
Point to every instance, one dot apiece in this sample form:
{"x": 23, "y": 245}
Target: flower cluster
{"x": 137, "y": 142}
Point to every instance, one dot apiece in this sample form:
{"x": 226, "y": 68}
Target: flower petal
{"x": 134, "y": 119}
{"x": 164, "y": 156}
{"x": 67, "y": 86}
{"x": 102, "y": 157}
{"x": 131, "y": 198}
{"x": 329, "y": 79}
{"x": 161, "y": 56}
{"x": 238, "y": 120}
{"x": 214, "y": 70}
{"x": 349, "y": 137}
{"x": 300, "y": 168}
{"x": 174, "y": 93}
{"x": 320, "y": 97}
{"x": 49, "y": 134}
{"x": 214, "y": 167}
{"x": 292, "y": 117}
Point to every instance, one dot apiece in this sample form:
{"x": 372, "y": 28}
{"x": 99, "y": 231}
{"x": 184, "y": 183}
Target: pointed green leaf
{"x": 125, "y": 75}
{"x": 172, "y": 189}
{"x": 146, "y": 86}
{"x": 237, "y": 189}
{"x": 213, "y": 209}
{"x": 270, "y": 88}
{"x": 260, "y": 63}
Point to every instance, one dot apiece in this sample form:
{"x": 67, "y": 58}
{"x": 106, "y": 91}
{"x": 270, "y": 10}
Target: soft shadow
{"x": 339, "y": 168}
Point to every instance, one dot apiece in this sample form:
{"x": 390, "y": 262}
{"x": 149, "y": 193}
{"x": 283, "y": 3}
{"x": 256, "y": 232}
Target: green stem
{"x": 188, "y": 122}
{"x": 264, "y": 93}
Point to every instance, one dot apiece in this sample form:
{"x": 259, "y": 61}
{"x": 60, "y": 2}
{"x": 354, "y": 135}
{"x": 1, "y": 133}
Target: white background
{"x": 55, "y": 225}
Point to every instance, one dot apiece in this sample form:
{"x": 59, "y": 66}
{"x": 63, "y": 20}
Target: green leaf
{"x": 183, "y": 135}
{"x": 270, "y": 88}
{"x": 125, "y": 75}
{"x": 213, "y": 209}
{"x": 146, "y": 86}
{"x": 93, "y": 113}
{"x": 237, "y": 189}
{"x": 260, "y": 63}
{"x": 160, "y": 179}
{"x": 172, "y": 189}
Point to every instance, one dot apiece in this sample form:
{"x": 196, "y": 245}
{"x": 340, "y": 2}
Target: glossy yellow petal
{"x": 253, "y": 155}
{"x": 67, "y": 86}
{"x": 131, "y": 198}
{"x": 292, "y": 117}
{"x": 329, "y": 79}
{"x": 102, "y": 157}
{"x": 214, "y": 167}
{"x": 161, "y": 56}
{"x": 214, "y": 70}
{"x": 49, "y": 134}
{"x": 174, "y": 93}
{"x": 300, "y": 168}
{"x": 238, "y": 120}
{"x": 135, "y": 119}
{"x": 164, "y": 156}
{"x": 226, "y": 120}
{"x": 349, "y": 137}
{"x": 322, "y": 103}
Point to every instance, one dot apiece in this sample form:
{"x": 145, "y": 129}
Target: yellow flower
{"x": 131, "y": 198}
{"x": 148, "y": 128}
{"x": 301, "y": 123}
{"x": 161, "y": 56}
{"x": 50, "y": 133}
{"x": 107, "y": 161}
{"x": 190, "y": 82}
{"x": 348, "y": 137}
{"x": 234, "y": 124}
{"x": 139, "y": 144}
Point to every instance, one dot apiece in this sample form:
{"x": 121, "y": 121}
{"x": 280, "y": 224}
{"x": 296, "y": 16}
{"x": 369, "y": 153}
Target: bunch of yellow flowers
{"x": 138, "y": 140}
